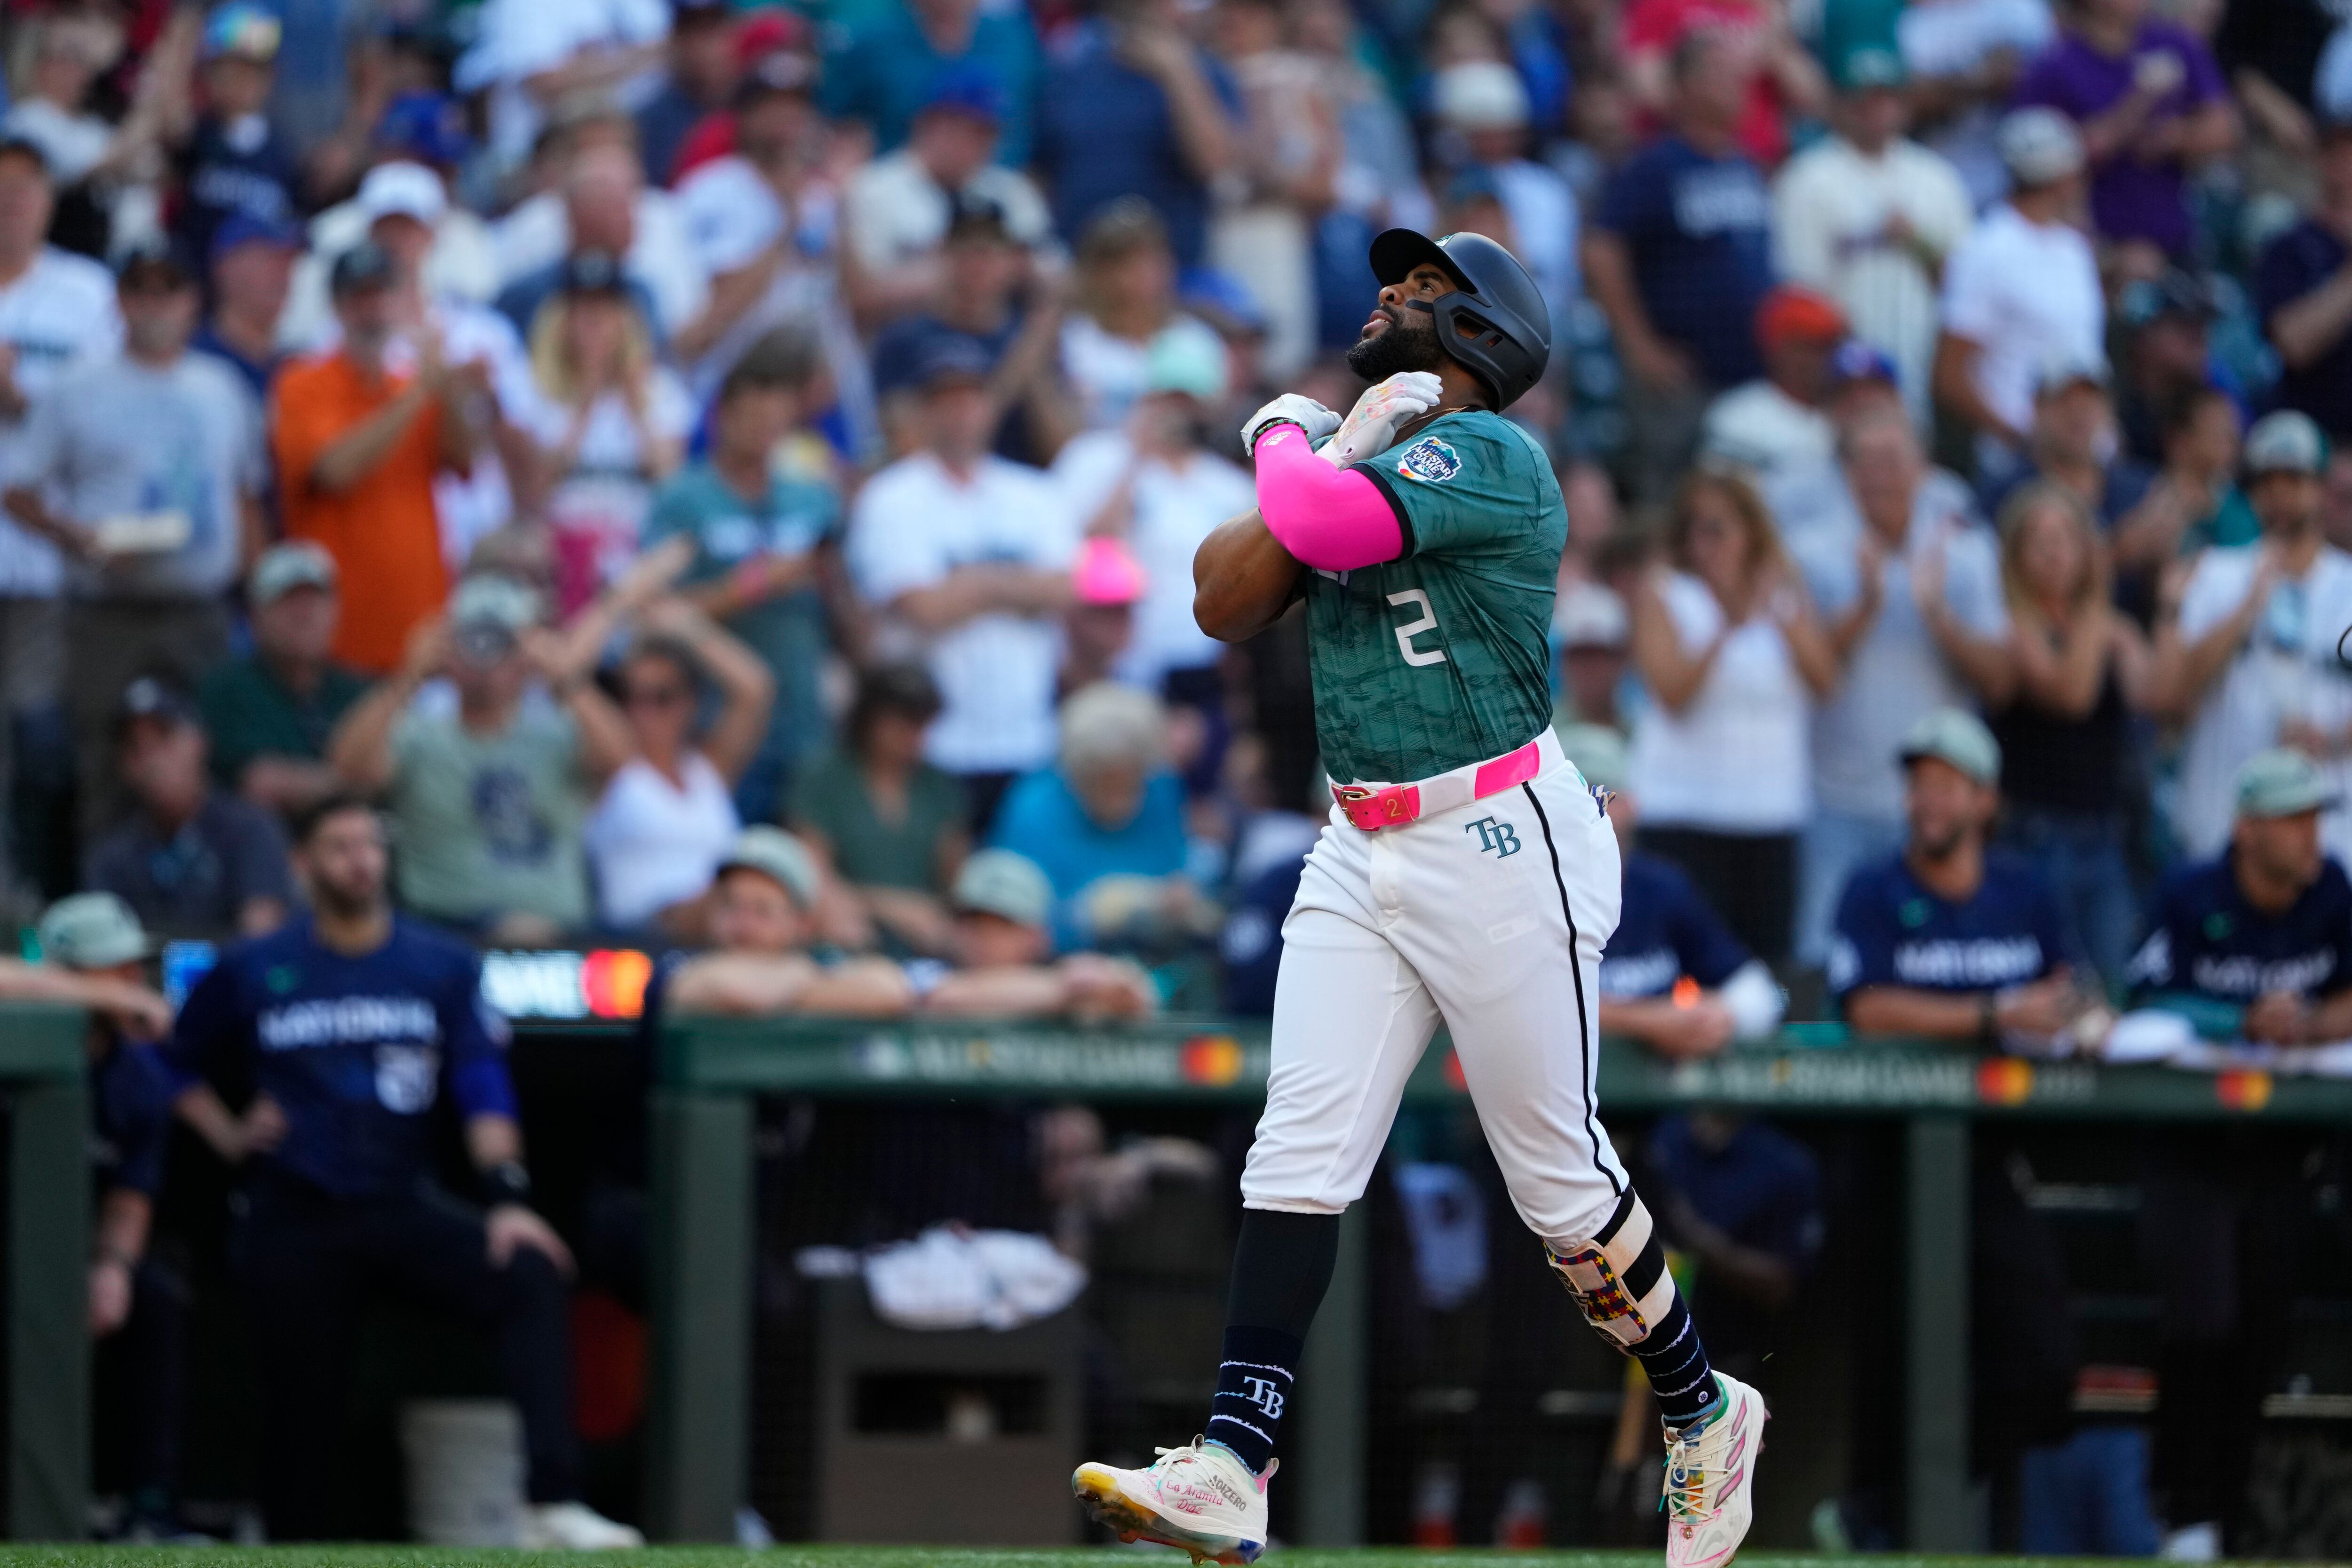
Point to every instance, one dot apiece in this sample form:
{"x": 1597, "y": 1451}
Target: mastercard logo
{"x": 1212, "y": 1060}
{"x": 2004, "y": 1081}
{"x": 2242, "y": 1088}
{"x": 613, "y": 982}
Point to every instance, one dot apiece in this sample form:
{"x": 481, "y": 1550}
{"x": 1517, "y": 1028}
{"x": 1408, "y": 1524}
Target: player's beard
{"x": 1406, "y": 345}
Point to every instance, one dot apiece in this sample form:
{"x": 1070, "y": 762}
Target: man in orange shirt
{"x": 357, "y": 449}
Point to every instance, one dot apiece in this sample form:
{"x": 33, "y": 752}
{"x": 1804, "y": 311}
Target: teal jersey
{"x": 1441, "y": 658}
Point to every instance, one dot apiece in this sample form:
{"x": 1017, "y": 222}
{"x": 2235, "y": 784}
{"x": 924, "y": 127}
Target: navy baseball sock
{"x": 1677, "y": 1366}
{"x": 1254, "y": 1388}
{"x": 1282, "y": 1266}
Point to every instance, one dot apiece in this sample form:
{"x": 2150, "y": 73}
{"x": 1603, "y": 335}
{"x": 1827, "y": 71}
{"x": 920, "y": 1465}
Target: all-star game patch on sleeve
{"x": 1464, "y": 483}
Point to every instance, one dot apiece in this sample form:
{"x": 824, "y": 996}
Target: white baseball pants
{"x": 1491, "y": 917}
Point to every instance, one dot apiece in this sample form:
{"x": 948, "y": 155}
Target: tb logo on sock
{"x": 1265, "y": 1395}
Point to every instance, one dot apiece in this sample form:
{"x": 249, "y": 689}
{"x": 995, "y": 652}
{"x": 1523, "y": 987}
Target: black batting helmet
{"x": 1496, "y": 326}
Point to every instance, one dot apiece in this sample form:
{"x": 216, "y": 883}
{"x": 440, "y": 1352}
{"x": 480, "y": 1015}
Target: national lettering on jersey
{"x": 1893, "y": 931}
{"x": 1439, "y": 659}
{"x": 2207, "y": 941}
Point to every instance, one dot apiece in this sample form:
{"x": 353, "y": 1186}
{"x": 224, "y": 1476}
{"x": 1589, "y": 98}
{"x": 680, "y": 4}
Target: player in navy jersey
{"x": 352, "y": 1023}
{"x": 2256, "y": 945}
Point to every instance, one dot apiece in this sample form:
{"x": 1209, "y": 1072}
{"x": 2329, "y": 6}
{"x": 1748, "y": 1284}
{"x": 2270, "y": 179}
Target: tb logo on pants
{"x": 1499, "y": 839}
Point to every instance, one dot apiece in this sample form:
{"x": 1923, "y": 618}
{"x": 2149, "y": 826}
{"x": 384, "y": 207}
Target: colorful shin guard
{"x": 1618, "y": 1279}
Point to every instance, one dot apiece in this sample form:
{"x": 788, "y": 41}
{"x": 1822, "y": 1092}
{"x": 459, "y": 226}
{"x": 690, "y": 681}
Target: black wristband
{"x": 505, "y": 1182}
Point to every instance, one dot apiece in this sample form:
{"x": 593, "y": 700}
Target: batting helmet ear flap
{"x": 1496, "y": 325}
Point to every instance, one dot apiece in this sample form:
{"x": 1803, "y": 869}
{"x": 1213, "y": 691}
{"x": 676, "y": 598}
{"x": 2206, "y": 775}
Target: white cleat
{"x": 1711, "y": 1481}
{"x": 1199, "y": 1498}
{"x": 574, "y": 1527}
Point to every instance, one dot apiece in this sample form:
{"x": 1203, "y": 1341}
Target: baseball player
{"x": 1467, "y": 876}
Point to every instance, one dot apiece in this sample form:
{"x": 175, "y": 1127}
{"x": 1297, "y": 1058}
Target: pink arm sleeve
{"x": 1333, "y": 520}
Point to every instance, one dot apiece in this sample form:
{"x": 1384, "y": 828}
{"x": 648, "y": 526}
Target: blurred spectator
{"x": 93, "y": 954}
{"x": 610, "y": 422}
{"x": 1741, "y": 1200}
{"x": 105, "y": 173}
{"x": 2272, "y": 49}
{"x": 1003, "y": 954}
{"x": 1595, "y": 637}
{"x": 888, "y": 59}
{"x": 1107, "y": 824}
{"x": 1679, "y": 256}
{"x": 761, "y": 904}
{"x": 533, "y": 59}
{"x": 968, "y": 556}
{"x": 1127, "y": 303}
{"x": 190, "y": 858}
{"x": 766, "y": 546}
{"x": 2068, "y": 758}
{"x": 2152, "y": 106}
{"x": 268, "y": 714}
{"x": 1963, "y": 58}
{"x": 235, "y": 162}
{"x": 341, "y": 1200}
{"x": 460, "y": 263}
{"x": 2194, "y": 500}
{"x": 1160, "y": 483}
{"x": 1869, "y": 216}
{"x": 2073, "y": 444}
{"x": 888, "y": 826}
{"x": 2248, "y": 946}
{"x": 1675, "y": 977}
{"x": 1132, "y": 111}
{"x": 2020, "y": 292}
{"x": 1004, "y": 298}
{"x": 2252, "y": 663}
{"x": 146, "y": 470}
{"x": 601, "y": 203}
{"x": 2303, "y": 287}
{"x": 2164, "y": 354}
{"x": 489, "y": 799}
{"x": 898, "y": 208}
{"x": 1909, "y": 591}
{"x": 1098, "y": 626}
{"x": 357, "y": 445}
{"x": 1728, "y": 648}
{"x": 1776, "y": 79}
{"x": 1286, "y": 152}
{"x": 668, "y": 814}
{"x": 1483, "y": 104}
{"x": 1776, "y": 422}
{"x": 252, "y": 272}
{"x": 698, "y": 82}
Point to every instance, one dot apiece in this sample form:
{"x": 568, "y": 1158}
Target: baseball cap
{"x": 1598, "y": 751}
{"x": 1857, "y": 360}
{"x": 1480, "y": 95}
{"x": 779, "y": 72}
{"x": 1223, "y": 300}
{"x": 2282, "y": 782}
{"x": 2038, "y": 146}
{"x": 246, "y": 31}
{"x": 1000, "y": 883}
{"x": 1794, "y": 312}
{"x": 1107, "y": 574}
{"x": 493, "y": 599}
{"x": 244, "y": 228}
{"x": 365, "y": 266}
{"x": 1590, "y": 616}
{"x": 424, "y": 128}
{"x": 1870, "y": 67}
{"x": 2062, "y": 371}
{"x": 91, "y": 930}
{"x": 154, "y": 264}
{"x": 25, "y": 146}
{"x": 2176, "y": 293}
{"x": 968, "y": 90}
{"x": 765, "y": 32}
{"x": 970, "y": 214}
{"x": 1951, "y": 735}
{"x": 951, "y": 357}
{"x": 777, "y": 855}
{"x": 149, "y": 698}
{"x": 297, "y": 563}
{"x": 1187, "y": 360}
{"x": 402, "y": 189}
{"x": 2285, "y": 440}
{"x": 593, "y": 272}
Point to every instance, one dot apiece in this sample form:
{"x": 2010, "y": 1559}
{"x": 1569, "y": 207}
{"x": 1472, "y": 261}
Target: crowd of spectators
{"x": 724, "y": 478}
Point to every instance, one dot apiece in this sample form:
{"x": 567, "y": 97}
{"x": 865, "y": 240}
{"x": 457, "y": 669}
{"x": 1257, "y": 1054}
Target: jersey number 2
{"x": 1406, "y": 633}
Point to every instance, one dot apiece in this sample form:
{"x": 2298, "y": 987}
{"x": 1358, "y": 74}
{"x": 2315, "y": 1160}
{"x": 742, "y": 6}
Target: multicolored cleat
{"x": 1711, "y": 1480}
{"x": 1199, "y": 1498}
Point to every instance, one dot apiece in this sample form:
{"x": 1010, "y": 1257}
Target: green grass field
{"x": 878, "y": 1557}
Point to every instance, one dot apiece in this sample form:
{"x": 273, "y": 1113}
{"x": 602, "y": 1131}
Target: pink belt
{"x": 1388, "y": 805}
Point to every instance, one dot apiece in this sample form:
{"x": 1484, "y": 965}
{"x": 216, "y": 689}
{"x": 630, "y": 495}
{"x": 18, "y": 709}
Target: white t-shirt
{"x": 71, "y": 144}
{"x": 1896, "y": 672}
{"x": 58, "y": 315}
{"x": 1763, "y": 430}
{"x": 2028, "y": 295}
{"x": 600, "y": 502}
{"x": 2286, "y": 669}
{"x": 1942, "y": 39}
{"x": 518, "y": 39}
{"x": 1751, "y": 708}
{"x": 896, "y": 212}
{"x": 538, "y": 234}
{"x": 652, "y": 844}
{"x": 1107, "y": 373}
{"x": 1174, "y": 509}
{"x": 914, "y": 524}
{"x": 1830, "y": 208}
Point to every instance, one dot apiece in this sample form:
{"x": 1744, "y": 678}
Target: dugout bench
{"x": 710, "y": 1072}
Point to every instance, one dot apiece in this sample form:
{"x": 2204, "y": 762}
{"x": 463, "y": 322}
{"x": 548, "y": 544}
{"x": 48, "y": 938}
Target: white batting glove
{"x": 1370, "y": 427}
{"x": 1290, "y": 408}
